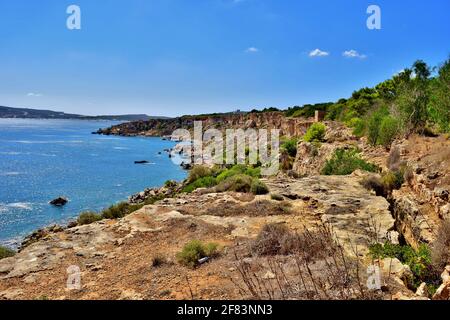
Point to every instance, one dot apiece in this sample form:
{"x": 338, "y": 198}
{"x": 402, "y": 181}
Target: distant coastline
{"x": 26, "y": 113}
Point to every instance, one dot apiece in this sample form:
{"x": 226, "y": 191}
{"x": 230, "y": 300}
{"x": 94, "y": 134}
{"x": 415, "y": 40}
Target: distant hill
{"x": 8, "y": 112}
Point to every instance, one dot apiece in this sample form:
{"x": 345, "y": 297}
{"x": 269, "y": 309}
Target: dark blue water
{"x": 44, "y": 159}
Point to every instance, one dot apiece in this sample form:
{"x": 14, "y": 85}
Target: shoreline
{"x": 18, "y": 241}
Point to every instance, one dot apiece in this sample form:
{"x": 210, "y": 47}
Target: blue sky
{"x": 173, "y": 57}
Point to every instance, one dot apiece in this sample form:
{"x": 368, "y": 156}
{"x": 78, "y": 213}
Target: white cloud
{"x": 32, "y": 94}
{"x": 252, "y": 50}
{"x": 353, "y": 54}
{"x": 318, "y": 53}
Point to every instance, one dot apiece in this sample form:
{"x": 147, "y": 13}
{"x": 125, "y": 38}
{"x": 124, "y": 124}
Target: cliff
{"x": 163, "y": 127}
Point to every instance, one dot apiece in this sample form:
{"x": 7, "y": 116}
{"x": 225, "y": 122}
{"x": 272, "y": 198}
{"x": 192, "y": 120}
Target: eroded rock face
{"x": 356, "y": 216}
{"x": 423, "y": 202}
{"x": 289, "y": 127}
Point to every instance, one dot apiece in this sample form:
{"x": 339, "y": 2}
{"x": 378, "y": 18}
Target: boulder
{"x": 402, "y": 273}
{"x": 141, "y": 162}
{"x": 59, "y": 202}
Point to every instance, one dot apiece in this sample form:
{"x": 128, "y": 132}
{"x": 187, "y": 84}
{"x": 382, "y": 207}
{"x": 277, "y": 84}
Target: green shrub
{"x": 228, "y": 173}
{"x": 253, "y": 172}
{"x": 88, "y": 218}
{"x": 6, "y": 252}
{"x": 389, "y": 129}
{"x": 238, "y": 183}
{"x": 393, "y": 180}
{"x": 259, "y": 188}
{"x": 198, "y": 172}
{"x": 316, "y": 133}
{"x": 418, "y": 260}
{"x": 373, "y": 127}
{"x": 120, "y": 210}
{"x": 205, "y": 182}
{"x": 345, "y": 162}
{"x": 195, "y": 250}
{"x": 439, "y": 104}
{"x": 359, "y": 126}
{"x": 290, "y": 146}
{"x": 170, "y": 184}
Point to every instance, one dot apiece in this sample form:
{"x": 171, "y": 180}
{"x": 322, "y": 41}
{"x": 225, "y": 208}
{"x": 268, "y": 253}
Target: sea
{"x": 41, "y": 160}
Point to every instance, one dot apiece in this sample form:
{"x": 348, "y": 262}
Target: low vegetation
{"x": 6, "y": 252}
{"x": 345, "y": 162}
{"x": 419, "y": 261}
{"x": 238, "y": 178}
{"x": 158, "y": 260}
{"x": 276, "y": 197}
{"x": 315, "y": 133}
{"x": 120, "y": 210}
{"x": 88, "y": 218}
{"x": 300, "y": 265}
{"x": 195, "y": 250}
{"x": 290, "y": 146}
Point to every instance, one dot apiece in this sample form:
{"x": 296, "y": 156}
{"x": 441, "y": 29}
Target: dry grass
{"x": 309, "y": 265}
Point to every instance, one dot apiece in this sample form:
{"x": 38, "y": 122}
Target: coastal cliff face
{"x": 289, "y": 127}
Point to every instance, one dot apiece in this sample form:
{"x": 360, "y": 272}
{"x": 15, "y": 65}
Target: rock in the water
{"x": 141, "y": 162}
{"x": 59, "y": 202}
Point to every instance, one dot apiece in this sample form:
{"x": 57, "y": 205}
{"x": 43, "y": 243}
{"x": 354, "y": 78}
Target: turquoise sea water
{"x": 44, "y": 159}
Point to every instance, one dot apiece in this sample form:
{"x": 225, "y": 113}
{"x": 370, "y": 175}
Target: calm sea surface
{"x": 44, "y": 159}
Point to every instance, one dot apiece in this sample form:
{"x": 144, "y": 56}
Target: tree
{"x": 421, "y": 70}
{"x": 439, "y": 104}
{"x": 412, "y": 99}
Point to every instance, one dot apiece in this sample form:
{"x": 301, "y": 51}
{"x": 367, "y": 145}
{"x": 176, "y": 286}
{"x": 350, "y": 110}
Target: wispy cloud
{"x": 353, "y": 54}
{"x": 318, "y": 53}
{"x": 32, "y": 94}
{"x": 252, "y": 50}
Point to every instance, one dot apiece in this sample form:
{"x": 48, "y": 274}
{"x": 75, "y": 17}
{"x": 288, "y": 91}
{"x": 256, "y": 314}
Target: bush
{"x": 120, "y": 210}
{"x": 373, "y": 126}
{"x": 198, "y": 172}
{"x": 375, "y": 184}
{"x": 388, "y": 131}
{"x": 345, "y": 162}
{"x": 6, "y": 253}
{"x": 170, "y": 184}
{"x": 238, "y": 183}
{"x": 270, "y": 239}
{"x": 393, "y": 180}
{"x": 195, "y": 250}
{"x": 359, "y": 126}
{"x": 276, "y": 197}
{"x": 439, "y": 105}
{"x": 205, "y": 182}
{"x": 254, "y": 172}
{"x": 259, "y": 188}
{"x": 158, "y": 260}
{"x": 418, "y": 260}
{"x": 88, "y": 218}
{"x": 290, "y": 146}
{"x": 316, "y": 133}
{"x": 277, "y": 239}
